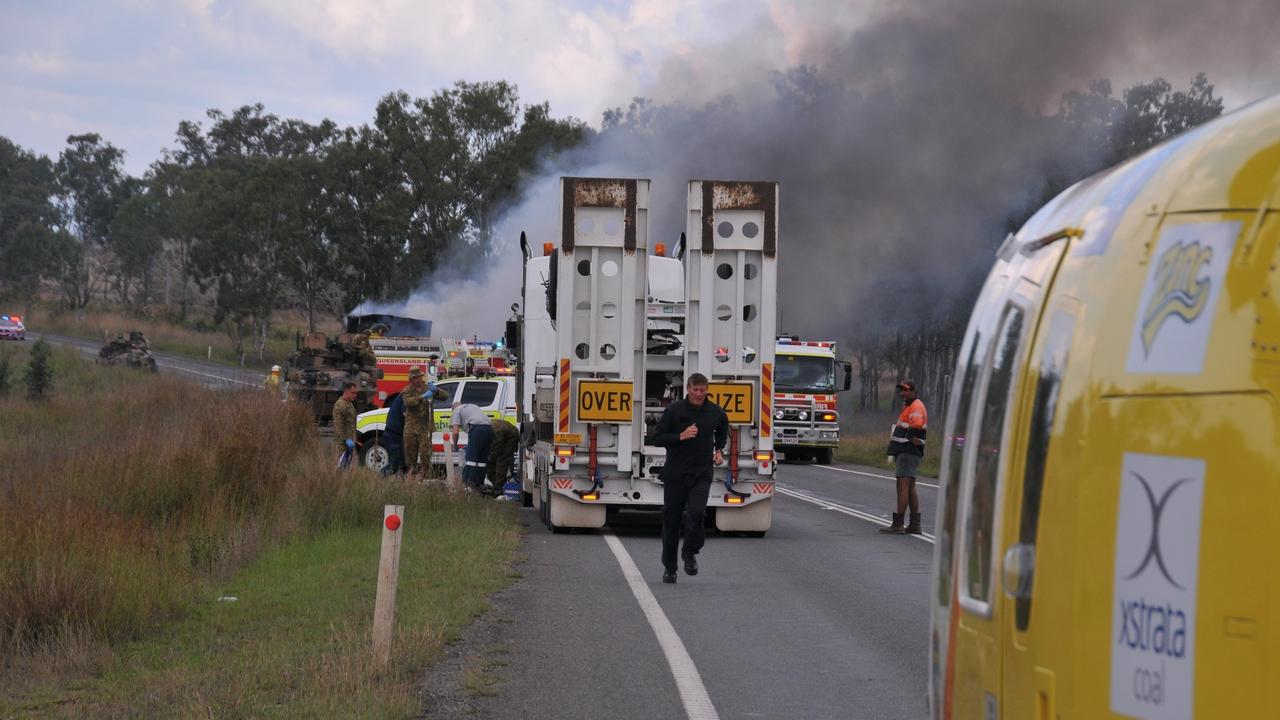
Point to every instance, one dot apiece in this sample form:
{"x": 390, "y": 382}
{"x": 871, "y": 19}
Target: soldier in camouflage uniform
{"x": 344, "y": 421}
{"x": 502, "y": 450}
{"x": 364, "y": 351}
{"x": 419, "y": 420}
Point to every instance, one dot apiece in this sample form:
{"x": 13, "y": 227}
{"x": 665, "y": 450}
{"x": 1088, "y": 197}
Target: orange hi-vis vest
{"x": 913, "y": 422}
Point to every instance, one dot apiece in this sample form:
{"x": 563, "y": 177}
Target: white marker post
{"x": 384, "y": 607}
{"x": 448, "y": 460}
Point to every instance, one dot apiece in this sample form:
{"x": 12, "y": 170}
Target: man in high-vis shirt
{"x": 906, "y": 447}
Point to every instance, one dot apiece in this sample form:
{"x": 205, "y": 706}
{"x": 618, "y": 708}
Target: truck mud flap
{"x": 756, "y": 517}
{"x": 566, "y": 513}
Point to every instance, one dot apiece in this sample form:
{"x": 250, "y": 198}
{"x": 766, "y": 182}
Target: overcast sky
{"x": 132, "y": 69}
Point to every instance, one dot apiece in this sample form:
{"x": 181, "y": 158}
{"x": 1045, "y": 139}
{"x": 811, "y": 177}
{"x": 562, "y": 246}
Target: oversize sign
{"x": 737, "y": 400}
{"x": 604, "y": 401}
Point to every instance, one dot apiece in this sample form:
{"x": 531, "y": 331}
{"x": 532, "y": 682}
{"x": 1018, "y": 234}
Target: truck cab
{"x": 806, "y": 423}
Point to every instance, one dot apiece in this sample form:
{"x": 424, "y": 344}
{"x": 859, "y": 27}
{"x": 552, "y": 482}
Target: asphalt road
{"x": 209, "y": 374}
{"x": 822, "y": 618}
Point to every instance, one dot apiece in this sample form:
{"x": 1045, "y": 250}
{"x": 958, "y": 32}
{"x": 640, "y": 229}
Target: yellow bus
{"x": 1110, "y": 473}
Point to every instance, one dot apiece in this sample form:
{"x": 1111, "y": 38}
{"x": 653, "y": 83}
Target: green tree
{"x": 6, "y": 372}
{"x": 39, "y": 375}
{"x": 27, "y": 221}
{"x": 90, "y": 187}
{"x": 135, "y": 243}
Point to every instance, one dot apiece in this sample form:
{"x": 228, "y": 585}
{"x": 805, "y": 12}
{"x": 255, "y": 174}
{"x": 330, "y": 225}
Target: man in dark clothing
{"x": 393, "y": 437}
{"x": 694, "y": 431}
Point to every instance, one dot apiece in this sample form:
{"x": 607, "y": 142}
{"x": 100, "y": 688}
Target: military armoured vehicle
{"x": 133, "y": 351}
{"x": 316, "y": 371}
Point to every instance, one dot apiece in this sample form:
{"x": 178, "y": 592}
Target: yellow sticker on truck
{"x": 604, "y": 401}
{"x": 737, "y": 400}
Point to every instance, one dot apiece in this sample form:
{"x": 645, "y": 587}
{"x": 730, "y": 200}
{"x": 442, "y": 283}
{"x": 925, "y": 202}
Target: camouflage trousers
{"x": 417, "y": 441}
{"x": 502, "y": 456}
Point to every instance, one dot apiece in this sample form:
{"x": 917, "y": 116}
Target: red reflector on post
{"x": 393, "y": 522}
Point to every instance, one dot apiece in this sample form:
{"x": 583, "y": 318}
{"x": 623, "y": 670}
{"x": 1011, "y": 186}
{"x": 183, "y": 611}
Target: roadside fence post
{"x": 384, "y": 606}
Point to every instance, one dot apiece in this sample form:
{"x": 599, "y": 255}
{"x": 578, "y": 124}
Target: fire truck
{"x": 806, "y": 424}
{"x": 610, "y": 330}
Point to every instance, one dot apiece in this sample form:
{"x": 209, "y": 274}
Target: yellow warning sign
{"x": 737, "y": 400}
{"x": 604, "y": 401}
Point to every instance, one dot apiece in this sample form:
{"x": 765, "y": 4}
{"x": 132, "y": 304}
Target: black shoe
{"x": 690, "y": 564}
{"x": 669, "y": 577}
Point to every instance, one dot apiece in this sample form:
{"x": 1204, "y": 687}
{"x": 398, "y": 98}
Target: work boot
{"x": 669, "y": 576}
{"x": 914, "y": 527}
{"x": 690, "y": 564}
{"x": 896, "y": 528}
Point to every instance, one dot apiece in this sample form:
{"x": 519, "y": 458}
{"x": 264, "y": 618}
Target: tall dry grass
{"x": 124, "y": 492}
{"x": 198, "y": 338}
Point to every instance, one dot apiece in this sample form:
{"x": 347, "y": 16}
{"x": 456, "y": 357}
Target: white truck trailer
{"x": 609, "y": 334}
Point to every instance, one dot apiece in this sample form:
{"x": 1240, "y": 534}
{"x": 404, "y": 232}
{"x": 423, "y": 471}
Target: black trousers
{"x": 684, "y": 503}
{"x": 394, "y": 443}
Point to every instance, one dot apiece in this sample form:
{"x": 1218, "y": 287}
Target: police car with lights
{"x": 11, "y": 328}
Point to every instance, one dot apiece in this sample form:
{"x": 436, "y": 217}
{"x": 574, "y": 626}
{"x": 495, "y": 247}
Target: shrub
{"x": 39, "y": 375}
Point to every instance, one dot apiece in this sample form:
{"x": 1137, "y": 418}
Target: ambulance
{"x": 1110, "y": 483}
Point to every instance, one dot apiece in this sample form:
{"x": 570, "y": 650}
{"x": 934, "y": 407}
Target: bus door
{"x": 977, "y": 632}
{"x": 1029, "y": 639}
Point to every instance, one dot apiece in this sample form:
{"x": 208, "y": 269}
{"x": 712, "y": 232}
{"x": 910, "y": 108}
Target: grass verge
{"x": 132, "y": 503}
{"x": 866, "y": 437}
{"x": 196, "y": 339}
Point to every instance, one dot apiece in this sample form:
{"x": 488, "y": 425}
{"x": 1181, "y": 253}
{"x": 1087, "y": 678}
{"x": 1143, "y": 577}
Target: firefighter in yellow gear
{"x": 419, "y": 422}
{"x": 272, "y": 383}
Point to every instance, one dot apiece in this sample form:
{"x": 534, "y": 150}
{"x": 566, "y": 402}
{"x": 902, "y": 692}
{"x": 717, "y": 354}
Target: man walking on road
{"x": 344, "y": 424}
{"x": 694, "y": 431}
{"x": 906, "y": 447}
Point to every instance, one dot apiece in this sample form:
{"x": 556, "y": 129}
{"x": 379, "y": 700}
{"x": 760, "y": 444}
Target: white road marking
{"x": 859, "y": 472}
{"x": 693, "y": 694}
{"x": 827, "y": 505}
{"x": 219, "y": 378}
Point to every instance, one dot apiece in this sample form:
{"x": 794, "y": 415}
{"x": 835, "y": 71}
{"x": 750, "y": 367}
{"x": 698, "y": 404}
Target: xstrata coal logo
{"x": 1156, "y": 568}
{"x": 1175, "y": 317}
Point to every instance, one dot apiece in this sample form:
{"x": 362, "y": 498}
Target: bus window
{"x": 1053, "y": 361}
{"x": 980, "y": 515}
{"x": 951, "y": 482}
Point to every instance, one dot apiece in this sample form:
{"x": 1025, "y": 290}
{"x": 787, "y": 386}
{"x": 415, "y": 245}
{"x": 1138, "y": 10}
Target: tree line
{"x": 258, "y": 212}
{"x": 250, "y": 212}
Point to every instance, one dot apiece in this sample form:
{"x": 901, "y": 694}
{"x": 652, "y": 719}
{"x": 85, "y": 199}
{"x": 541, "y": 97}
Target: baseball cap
{"x": 415, "y": 371}
{"x": 907, "y": 385}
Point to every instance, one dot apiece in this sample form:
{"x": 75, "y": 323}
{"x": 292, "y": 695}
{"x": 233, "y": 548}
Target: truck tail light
{"x": 590, "y": 496}
{"x": 764, "y": 455}
{"x": 733, "y": 500}
{"x": 565, "y": 452}
{"x": 547, "y": 248}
